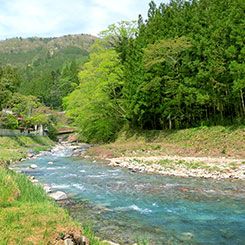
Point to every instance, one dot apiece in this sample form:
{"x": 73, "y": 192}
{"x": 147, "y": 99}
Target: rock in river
{"x": 186, "y": 236}
{"x": 58, "y": 195}
{"x": 33, "y": 166}
{"x": 47, "y": 188}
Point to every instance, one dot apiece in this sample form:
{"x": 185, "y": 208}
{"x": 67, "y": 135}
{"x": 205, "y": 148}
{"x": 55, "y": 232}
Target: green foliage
{"x": 15, "y": 148}
{"x": 8, "y": 121}
{"x": 19, "y": 188}
{"x": 182, "y": 67}
{"x": 52, "y": 131}
{"x": 48, "y": 65}
{"x": 63, "y": 84}
{"x": 9, "y": 83}
{"x": 27, "y": 214}
{"x": 185, "y": 67}
{"x": 93, "y": 240}
{"x": 95, "y": 105}
{"x": 31, "y": 111}
{"x": 23, "y": 105}
{"x": 9, "y": 191}
{"x": 119, "y": 36}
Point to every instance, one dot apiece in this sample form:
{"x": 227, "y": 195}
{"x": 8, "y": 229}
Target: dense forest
{"x": 47, "y": 66}
{"x": 35, "y": 75}
{"x": 181, "y": 67}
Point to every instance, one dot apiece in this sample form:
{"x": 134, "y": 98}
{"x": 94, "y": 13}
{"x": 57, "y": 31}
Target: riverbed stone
{"x": 47, "y": 188}
{"x": 58, "y": 195}
{"x": 82, "y": 240}
{"x": 34, "y": 181}
{"x": 68, "y": 242}
{"x": 186, "y": 236}
{"x": 110, "y": 242}
{"x": 33, "y": 166}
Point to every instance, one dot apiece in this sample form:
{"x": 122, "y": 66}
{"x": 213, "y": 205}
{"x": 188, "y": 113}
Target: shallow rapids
{"x": 128, "y": 207}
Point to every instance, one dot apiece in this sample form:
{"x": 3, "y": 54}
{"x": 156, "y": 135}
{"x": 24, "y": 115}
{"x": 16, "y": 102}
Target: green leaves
{"x": 189, "y": 65}
{"x": 166, "y": 50}
{"x": 182, "y": 67}
{"x": 9, "y": 83}
{"x": 95, "y": 105}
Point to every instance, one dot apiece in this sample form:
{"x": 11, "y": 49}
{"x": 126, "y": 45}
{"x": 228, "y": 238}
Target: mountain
{"x": 48, "y": 67}
{"x": 32, "y": 51}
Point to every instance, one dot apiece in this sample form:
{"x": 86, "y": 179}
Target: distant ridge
{"x": 21, "y": 51}
{"x": 47, "y": 67}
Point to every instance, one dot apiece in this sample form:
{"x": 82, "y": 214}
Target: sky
{"x": 49, "y": 18}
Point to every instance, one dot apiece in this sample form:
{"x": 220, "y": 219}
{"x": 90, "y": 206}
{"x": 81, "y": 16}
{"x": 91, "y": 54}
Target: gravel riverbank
{"x": 203, "y": 167}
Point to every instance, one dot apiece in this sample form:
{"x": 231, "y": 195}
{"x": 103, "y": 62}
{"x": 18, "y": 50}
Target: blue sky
{"x": 45, "y": 18}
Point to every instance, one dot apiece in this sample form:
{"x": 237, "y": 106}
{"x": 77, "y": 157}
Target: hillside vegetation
{"x": 180, "y": 68}
{"x": 216, "y": 141}
{"x": 173, "y": 84}
{"x": 46, "y": 67}
{"x": 20, "y": 46}
{"x": 15, "y": 148}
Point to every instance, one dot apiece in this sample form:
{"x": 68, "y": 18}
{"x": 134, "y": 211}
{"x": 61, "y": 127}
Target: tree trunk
{"x": 170, "y": 123}
{"x": 243, "y": 106}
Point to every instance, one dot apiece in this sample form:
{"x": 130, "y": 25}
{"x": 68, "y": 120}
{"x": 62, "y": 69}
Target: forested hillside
{"x": 181, "y": 67}
{"x": 35, "y": 75}
{"x": 47, "y": 66}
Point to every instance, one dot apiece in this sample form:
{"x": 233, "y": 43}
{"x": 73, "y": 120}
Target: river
{"x": 127, "y": 207}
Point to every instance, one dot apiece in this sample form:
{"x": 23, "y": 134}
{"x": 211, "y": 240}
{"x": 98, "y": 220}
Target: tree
{"x": 95, "y": 106}
{"x": 9, "y": 83}
{"x": 186, "y": 86}
{"x": 23, "y": 105}
{"x": 119, "y": 37}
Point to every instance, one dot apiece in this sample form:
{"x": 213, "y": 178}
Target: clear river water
{"x": 127, "y": 207}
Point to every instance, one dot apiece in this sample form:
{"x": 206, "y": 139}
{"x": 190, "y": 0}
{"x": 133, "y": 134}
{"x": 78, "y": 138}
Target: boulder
{"x": 186, "y": 236}
{"x": 82, "y": 240}
{"x": 47, "y": 189}
{"x": 68, "y": 242}
{"x": 33, "y": 166}
{"x": 58, "y": 195}
{"x": 110, "y": 242}
{"x": 50, "y": 163}
{"x": 34, "y": 181}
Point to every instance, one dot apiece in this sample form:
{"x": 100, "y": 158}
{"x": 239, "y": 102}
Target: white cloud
{"x": 59, "y": 17}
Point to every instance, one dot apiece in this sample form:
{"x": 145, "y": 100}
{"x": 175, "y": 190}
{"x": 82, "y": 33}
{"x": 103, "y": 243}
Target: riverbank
{"x": 15, "y": 148}
{"x": 130, "y": 208}
{"x": 27, "y": 214}
{"x": 215, "y": 152}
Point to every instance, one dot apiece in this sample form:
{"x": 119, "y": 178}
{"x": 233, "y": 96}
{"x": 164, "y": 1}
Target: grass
{"x": 187, "y": 164}
{"x": 27, "y": 215}
{"x": 15, "y": 148}
{"x": 196, "y": 165}
{"x": 215, "y": 141}
{"x": 87, "y": 231}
